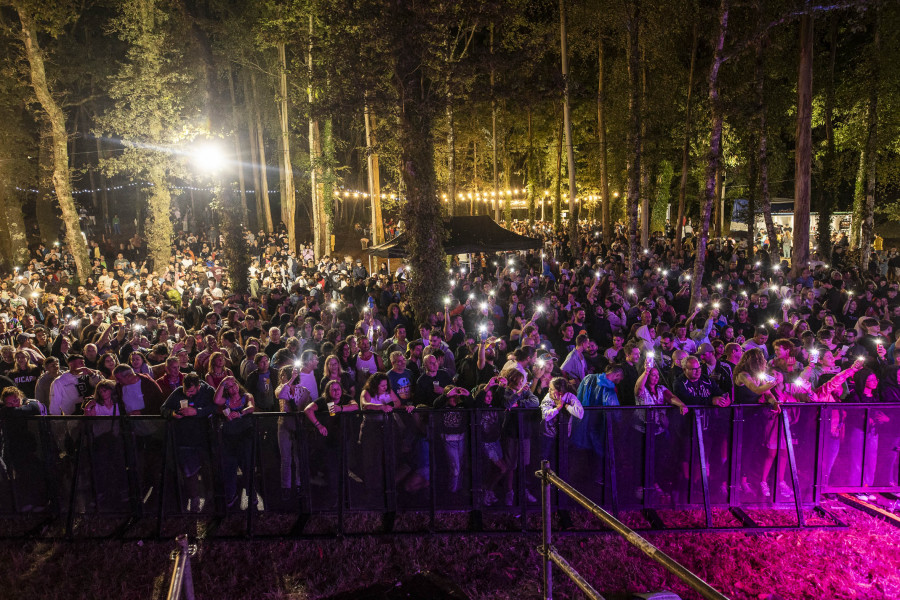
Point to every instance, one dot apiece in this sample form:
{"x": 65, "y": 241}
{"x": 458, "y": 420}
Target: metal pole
{"x": 182, "y": 581}
{"x": 546, "y": 531}
{"x": 672, "y": 565}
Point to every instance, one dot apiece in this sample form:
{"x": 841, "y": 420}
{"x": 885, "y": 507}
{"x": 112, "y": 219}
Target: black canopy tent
{"x": 466, "y": 235}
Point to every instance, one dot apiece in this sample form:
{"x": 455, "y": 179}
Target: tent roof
{"x": 465, "y": 235}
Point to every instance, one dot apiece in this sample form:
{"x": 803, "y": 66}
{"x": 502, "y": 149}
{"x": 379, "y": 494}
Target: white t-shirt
{"x": 308, "y": 380}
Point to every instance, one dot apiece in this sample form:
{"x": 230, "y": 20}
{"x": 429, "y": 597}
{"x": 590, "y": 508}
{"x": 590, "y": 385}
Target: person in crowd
{"x": 234, "y": 404}
{"x": 189, "y": 407}
{"x": 624, "y": 341}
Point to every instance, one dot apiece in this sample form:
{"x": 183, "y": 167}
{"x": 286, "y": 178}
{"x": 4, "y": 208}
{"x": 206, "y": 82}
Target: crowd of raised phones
{"x": 540, "y": 330}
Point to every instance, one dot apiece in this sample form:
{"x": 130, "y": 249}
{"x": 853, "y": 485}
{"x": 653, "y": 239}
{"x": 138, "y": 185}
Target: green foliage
{"x": 663, "y": 196}
{"x": 156, "y": 98}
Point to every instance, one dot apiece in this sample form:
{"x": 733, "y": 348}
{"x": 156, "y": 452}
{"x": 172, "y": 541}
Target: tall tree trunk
{"x": 632, "y": 200}
{"x": 314, "y": 145}
{"x": 867, "y": 226}
{"x": 238, "y": 152}
{"x": 428, "y": 283}
{"x": 752, "y": 194}
{"x": 104, "y": 192}
{"x": 289, "y": 199}
{"x": 57, "y": 121}
{"x": 451, "y": 149}
{"x": 14, "y": 237}
{"x": 262, "y": 196}
{"x": 803, "y": 152}
{"x": 531, "y": 188}
{"x": 254, "y": 158}
{"x": 601, "y": 132}
{"x": 712, "y": 162}
{"x": 45, "y": 203}
{"x": 828, "y": 189}
{"x": 557, "y": 199}
{"x": 859, "y": 199}
{"x": 645, "y": 169}
{"x": 158, "y": 223}
{"x": 765, "y": 204}
{"x": 375, "y": 180}
{"x": 495, "y": 196}
{"x": 570, "y": 143}
{"x": 326, "y": 182}
{"x": 686, "y": 147}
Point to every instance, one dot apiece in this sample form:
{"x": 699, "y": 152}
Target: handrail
{"x": 534, "y": 410}
{"x": 182, "y": 581}
{"x": 550, "y": 555}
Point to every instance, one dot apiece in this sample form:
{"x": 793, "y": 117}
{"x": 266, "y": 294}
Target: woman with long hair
{"x": 218, "y": 372}
{"x": 332, "y": 371}
{"x": 377, "y": 401}
{"x": 292, "y": 399}
{"x": 25, "y": 373}
{"x": 863, "y": 427}
{"x": 106, "y": 364}
{"x": 234, "y": 403}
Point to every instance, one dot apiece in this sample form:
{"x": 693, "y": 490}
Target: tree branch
{"x": 763, "y": 31}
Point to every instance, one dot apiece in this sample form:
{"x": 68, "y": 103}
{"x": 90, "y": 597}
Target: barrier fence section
{"x": 550, "y": 556}
{"x": 480, "y": 461}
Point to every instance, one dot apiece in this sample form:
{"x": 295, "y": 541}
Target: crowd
{"x": 542, "y": 330}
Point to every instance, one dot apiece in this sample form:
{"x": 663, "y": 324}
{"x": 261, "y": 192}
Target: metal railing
{"x": 181, "y": 585}
{"x": 551, "y": 557}
{"x": 67, "y": 469}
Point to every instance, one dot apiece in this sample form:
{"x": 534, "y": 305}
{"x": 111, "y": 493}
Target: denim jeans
{"x": 454, "y": 446}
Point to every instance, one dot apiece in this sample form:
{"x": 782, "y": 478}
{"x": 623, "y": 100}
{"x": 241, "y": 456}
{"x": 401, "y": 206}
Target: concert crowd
{"x": 539, "y": 330}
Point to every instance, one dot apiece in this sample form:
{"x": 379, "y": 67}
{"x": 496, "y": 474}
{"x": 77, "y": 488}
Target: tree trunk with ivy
{"x": 45, "y": 203}
{"x": 713, "y": 156}
{"x": 59, "y": 140}
{"x": 663, "y": 196}
{"x": 828, "y": 191}
{"x": 557, "y": 198}
{"x": 532, "y": 188}
{"x": 328, "y": 180}
{"x": 601, "y": 132}
{"x": 14, "y": 238}
{"x": 418, "y": 105}
{"x": 867, "y": 223}
{"x": 633, "y": 144}
{"x": 803, "y": 152}
{"x": 765, "y": 204}
{"x": 158, "y": 225}
{"x": 289, "y": 198}
{"x": 686, "y": 147}
{"x": 574, "y": 240}
{"x": 235, "y": 124}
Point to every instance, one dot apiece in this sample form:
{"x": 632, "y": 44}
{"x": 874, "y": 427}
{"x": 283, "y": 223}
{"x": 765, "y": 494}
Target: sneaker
{"x": 510, "y": 498}
{"x": 784, "y": 490}
{"x": 530, "y": 497}
{"x": 490, "y": 498}
{"x": 764, "y": 489}
{"x": 746, "y": 489}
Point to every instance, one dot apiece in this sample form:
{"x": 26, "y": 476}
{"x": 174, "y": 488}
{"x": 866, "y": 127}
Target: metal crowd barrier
{"x": 550, "y": 556}
{"x": 134, "y": 476}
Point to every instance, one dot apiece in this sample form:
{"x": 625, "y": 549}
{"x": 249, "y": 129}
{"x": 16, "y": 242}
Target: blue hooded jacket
{"x": 594, "y": 390}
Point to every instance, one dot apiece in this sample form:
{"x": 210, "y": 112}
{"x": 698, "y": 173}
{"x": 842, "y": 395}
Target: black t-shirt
{"x": 697, "y": 393}
{"x": 425, "y": 393}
